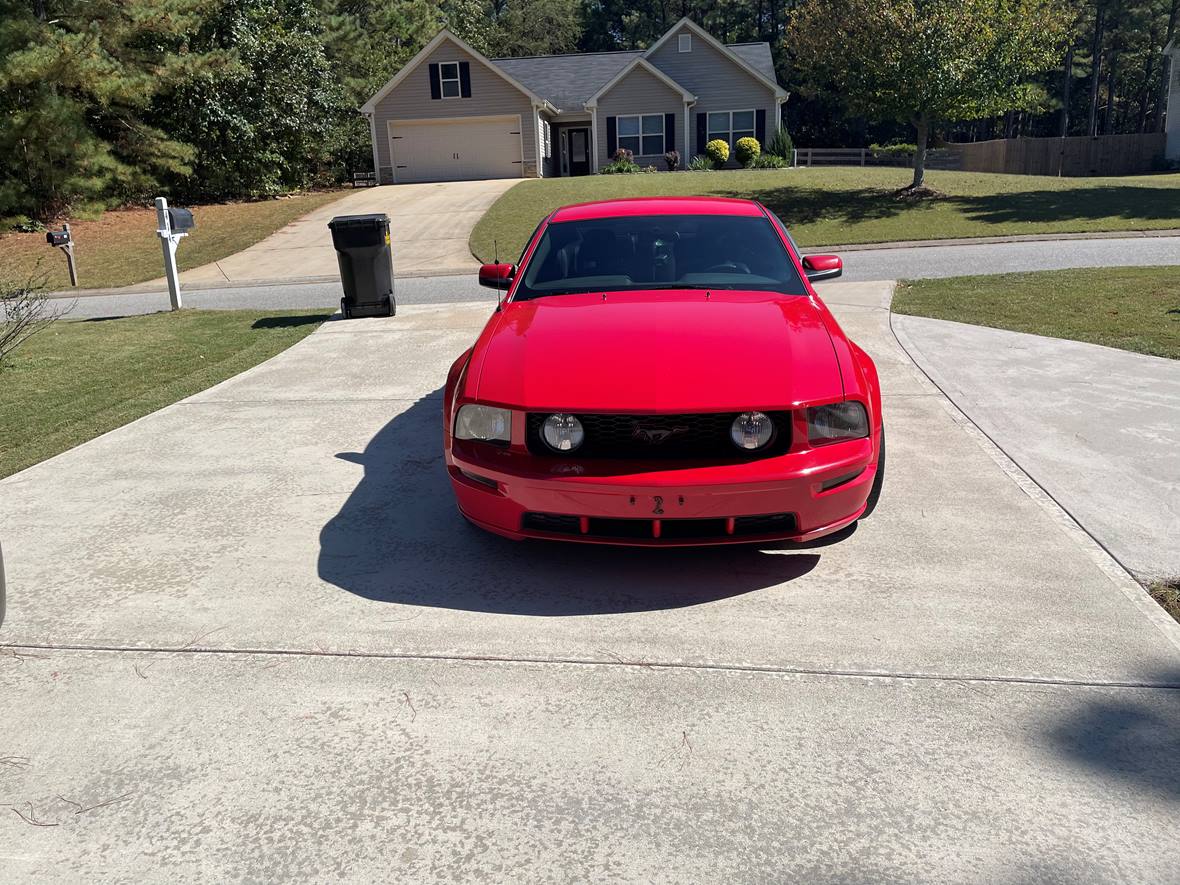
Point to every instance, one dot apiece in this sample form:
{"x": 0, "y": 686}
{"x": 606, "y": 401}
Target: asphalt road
{"x": 860, "y": 265}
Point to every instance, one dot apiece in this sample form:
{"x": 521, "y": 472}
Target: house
{"x": 452, "y": 113}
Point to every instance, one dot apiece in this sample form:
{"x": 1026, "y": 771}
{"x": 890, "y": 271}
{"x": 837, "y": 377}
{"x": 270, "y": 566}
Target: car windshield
{"x": 659, "y": 252}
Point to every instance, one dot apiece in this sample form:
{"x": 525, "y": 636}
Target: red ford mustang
{"x": 661, "y": 372}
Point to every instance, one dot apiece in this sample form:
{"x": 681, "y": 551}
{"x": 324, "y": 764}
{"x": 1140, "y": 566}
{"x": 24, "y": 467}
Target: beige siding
{"x": 491, "y": 95}
{"x": 719, "y": 83}
{"x": 640, "y": 92}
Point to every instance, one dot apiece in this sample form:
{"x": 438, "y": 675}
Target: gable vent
{"x": 685, "y": 42}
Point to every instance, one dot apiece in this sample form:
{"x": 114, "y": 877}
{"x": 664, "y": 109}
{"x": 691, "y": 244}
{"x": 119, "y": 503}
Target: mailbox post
{"x": 171, "y": 225}
{"x": 64, "y": 240}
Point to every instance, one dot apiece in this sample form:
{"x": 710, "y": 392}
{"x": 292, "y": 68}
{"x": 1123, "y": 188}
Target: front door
{"x": 579, "y": 148}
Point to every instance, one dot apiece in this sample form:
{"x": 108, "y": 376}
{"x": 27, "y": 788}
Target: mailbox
{"x": 57, "y": 237}
{"x": 180, "y": 220}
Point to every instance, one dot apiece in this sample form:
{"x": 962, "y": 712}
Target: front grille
{"x": 644, "y": 437}
{"x": 670, "y": 529}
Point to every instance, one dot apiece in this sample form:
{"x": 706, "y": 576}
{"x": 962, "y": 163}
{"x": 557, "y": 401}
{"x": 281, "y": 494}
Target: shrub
{"x": 622, "y": 163}
{"x": 769, "y": 161}
{"x": 700, "y": 164}
{"x": 651, "y": 168}
{"x": 672, "y": 160}
{"x": 893, "y": 150}
{"x": 747, "y": 150}
{"x": 24, "y": 311}
{"x": 718, "y": 152}
{"x": 780, "y": 145}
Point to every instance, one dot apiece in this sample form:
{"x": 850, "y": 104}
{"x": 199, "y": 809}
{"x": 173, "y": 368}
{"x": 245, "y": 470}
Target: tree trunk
{"x": 1095, "y": 67}
{"x": 1111, "y": 82}
{"x": 1157, "y": 121}
{"x": 922, "y": 124}
{"x": 1066, "y": 86}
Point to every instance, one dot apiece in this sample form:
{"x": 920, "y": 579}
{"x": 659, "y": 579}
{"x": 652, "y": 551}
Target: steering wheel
{"x": 729, "y": 267}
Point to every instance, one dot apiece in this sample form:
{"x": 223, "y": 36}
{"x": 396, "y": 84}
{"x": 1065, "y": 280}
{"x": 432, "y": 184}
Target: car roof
{"x": 658, "y": 206}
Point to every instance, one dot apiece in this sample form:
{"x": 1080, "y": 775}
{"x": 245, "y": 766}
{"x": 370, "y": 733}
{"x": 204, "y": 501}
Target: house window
{"x": 448, "y": 76}
{"x": 642, "y": 135}
{"x": 685, "y": 42}
{"x": 729, "y": 126}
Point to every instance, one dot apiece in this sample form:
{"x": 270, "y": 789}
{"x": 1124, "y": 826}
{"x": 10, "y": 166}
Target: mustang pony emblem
{"x": 655, "y": 435}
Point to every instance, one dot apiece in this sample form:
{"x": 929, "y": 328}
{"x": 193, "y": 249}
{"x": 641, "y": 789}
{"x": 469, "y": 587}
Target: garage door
{"x": 454, "y": 150}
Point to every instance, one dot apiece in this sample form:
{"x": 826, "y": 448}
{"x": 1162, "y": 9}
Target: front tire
{"x": 878, "y": 480}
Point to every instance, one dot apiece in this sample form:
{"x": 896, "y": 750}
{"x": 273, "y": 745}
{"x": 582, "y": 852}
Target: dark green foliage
{"x": 76, "y": 80}
{"x": 261, "y": 123}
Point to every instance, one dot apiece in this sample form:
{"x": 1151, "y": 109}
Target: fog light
{"x": 751, "y": 430}
{"x": 562, "y": 433}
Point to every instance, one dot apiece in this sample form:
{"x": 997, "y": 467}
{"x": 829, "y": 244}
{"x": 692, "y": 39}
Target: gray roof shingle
{"x": 757, "y": 56}
{"x": 568, "y": 81}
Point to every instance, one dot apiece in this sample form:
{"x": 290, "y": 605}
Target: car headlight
{"x": 751, "y": 430}
{"x": 562, "y": 433}
{"x": 485, "y": 423}
{"x": 836, "y": 422}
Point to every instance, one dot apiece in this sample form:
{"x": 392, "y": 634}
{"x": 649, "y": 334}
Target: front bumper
{"x": 782, "y": 498}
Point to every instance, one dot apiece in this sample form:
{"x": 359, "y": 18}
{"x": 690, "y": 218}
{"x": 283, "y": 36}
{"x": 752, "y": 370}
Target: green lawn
{"x": 854, "y": 205}
{"x": 120, "y": 247}
{"x": 78, "y": 379}
{"x": 1132, "y": 308}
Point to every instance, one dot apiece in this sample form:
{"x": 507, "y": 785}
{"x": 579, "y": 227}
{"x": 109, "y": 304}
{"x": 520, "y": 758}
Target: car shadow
{"x": 399, "y": 538}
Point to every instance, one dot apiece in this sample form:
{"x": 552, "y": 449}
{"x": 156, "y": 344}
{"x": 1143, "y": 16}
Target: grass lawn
{"x": 78, "y": 379}
{"x": 1132, "y": 308}
{"x": 121, "y": 247}
{"x": 854, "y": 205}
{"x": 1167, "y": 594}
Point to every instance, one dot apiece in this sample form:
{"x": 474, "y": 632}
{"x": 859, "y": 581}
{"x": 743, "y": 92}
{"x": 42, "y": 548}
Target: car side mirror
{"x": 822, "y": 267}
{"x": 497, "y": 276}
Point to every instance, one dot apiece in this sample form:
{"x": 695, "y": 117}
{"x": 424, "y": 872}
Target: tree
{"x": 261, "y": 122}
{"x": 928, "y": 61}
{"x": 75, "y": 82}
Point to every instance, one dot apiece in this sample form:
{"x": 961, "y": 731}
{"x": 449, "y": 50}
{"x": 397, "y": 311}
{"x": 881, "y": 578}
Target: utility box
{"x": 366, "y": 264}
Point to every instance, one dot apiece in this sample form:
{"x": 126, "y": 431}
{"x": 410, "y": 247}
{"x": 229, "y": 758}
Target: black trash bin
{"x": 366, "y": 264}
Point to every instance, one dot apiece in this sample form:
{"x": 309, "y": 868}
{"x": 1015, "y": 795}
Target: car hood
{"x": 665, "y": 351}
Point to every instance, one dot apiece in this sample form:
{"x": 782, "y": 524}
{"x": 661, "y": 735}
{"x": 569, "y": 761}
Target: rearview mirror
{"x": 497, "y": 276}
{"x": 822, "y": 267}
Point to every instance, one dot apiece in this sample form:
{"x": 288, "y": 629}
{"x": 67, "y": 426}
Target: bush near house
{"x": 746, "y": 151}
{"x": 718, "y": 152}
{"x": 622, "y": 163}
{"x": 700, "y": 163}
{"x": 780, "y": 145}
{"x": 672, "y": 160}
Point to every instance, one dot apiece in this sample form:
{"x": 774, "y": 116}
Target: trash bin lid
{"x": 373, "y": 219}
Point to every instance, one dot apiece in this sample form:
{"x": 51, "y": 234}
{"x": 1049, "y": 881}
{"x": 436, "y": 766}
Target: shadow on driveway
{"x": 399, "y": 538}
{"x": 1129, "y": 736}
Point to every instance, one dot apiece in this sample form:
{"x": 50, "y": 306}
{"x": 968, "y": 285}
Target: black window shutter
{"x": 760, "y": 127}
{"x": 612, "y": 136}
{"x": 435, "y": 83}
{"x": 701, "y": 134}
{"x": 465, "y": 81}
{"x": 669, "y": 132}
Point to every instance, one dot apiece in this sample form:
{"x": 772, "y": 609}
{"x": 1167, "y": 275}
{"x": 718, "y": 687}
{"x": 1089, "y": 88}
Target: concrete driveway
{"x": 429, "y": 226}
{"x": 250, "y": 639}
{"x": 1098, "y": 428}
